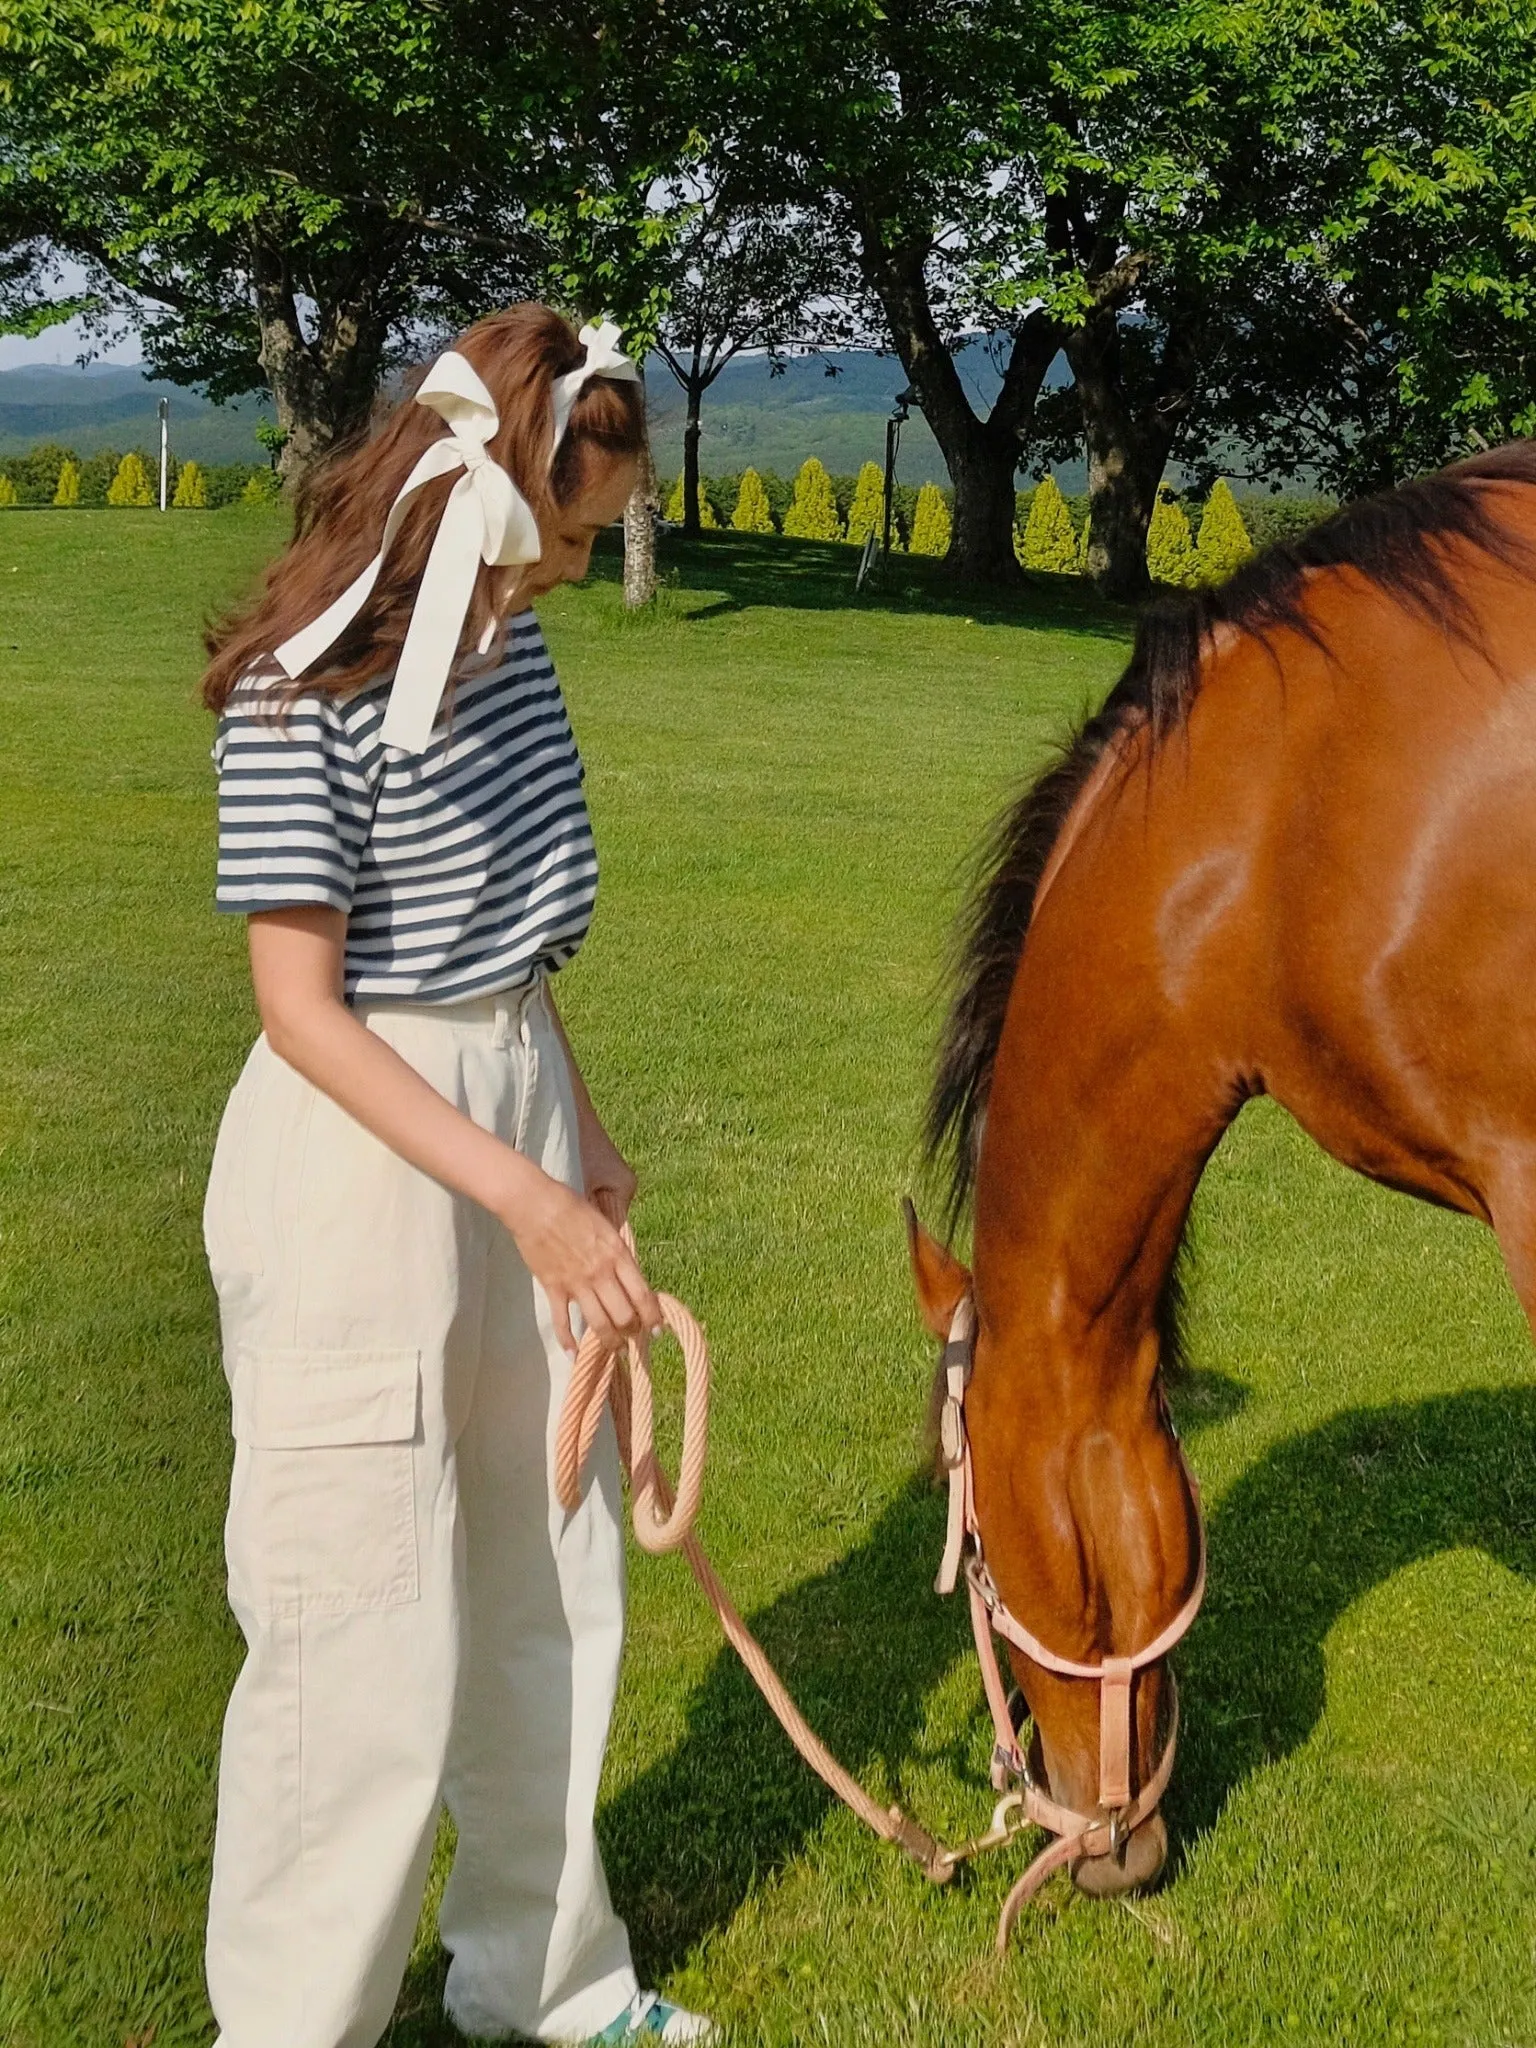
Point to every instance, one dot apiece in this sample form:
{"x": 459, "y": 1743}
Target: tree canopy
{"x": 301, "y": 191}
{"x": 1299, "y": 228}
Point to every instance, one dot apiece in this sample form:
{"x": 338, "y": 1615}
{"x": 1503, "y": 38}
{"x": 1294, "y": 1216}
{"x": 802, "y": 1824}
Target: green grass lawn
{"x": 784, "y": 780}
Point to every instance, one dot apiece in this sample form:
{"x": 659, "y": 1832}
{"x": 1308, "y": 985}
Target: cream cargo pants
{"x": 423, "y": 1621}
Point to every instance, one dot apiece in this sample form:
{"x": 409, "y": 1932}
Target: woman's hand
{"x": 578, "y": 1257}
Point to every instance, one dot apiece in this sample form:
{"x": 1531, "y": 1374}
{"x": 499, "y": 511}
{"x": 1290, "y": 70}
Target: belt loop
{"x": 501, "y": 1036}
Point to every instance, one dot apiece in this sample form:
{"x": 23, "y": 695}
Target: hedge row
{"x": 34, "y": 477}
{"x": 1265, "y": 518}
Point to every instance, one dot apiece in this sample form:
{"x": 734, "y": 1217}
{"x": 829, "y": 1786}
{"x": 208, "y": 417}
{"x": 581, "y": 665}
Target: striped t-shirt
{"x": 463, "y": 870}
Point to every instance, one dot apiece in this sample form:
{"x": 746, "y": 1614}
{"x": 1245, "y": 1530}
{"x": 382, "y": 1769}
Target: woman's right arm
{"x": 571, "y": 1250}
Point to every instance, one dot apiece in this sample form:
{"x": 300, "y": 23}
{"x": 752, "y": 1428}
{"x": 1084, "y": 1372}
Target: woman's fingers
{"x": 598, "y": 1318}
{"x": 560, "y": 1314}
{"x": 623, "y": 1317}
{"x": 647, "y": 1308}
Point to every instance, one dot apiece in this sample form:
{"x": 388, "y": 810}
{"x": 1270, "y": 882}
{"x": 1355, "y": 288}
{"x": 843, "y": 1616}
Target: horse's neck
{"x": 1088, "y": 1168}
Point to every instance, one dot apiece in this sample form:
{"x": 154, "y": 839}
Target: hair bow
{"x": 486, "y": 519}
{"x": 604, "y": 358}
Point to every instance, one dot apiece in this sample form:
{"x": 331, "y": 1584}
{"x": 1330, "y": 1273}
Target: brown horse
{"x": 1294, "y": 854}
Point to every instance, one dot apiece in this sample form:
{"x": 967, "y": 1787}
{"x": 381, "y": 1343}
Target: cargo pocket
{"x": 322, "y": 1511}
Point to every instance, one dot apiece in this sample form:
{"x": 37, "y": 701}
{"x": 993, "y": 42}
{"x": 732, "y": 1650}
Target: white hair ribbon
{"x": 604, "y": 358}
{"x": 486, "y": 519}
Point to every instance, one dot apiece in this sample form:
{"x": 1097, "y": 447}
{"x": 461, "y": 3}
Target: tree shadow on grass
{"x": 1309, "y": 1530}
{"x": 801, "y": 575}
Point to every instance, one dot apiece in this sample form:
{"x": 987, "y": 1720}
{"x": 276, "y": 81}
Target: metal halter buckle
{"x": 1119, "y": 1834}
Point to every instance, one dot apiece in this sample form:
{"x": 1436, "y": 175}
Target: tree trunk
{"x": 691, "y": 432}
{"x": 322, "y": 390}
{"x": 1127, "y": 446}
{"x": 982, "y": 455}
{"x": 640, "y": 537}
{"x": 981, "y": 538}
{"x": 1120, "y": 502}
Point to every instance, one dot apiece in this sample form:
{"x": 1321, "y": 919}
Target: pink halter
{"x": 1118, "y": 1815}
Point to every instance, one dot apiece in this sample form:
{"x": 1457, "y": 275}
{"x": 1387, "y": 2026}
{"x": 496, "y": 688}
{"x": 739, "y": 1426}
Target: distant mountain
{"x": 114, "y": 405}
{"x": 833, "y": 406}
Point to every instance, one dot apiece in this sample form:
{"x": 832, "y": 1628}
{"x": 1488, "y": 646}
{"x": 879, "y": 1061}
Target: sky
{"x": 61, "y": 345}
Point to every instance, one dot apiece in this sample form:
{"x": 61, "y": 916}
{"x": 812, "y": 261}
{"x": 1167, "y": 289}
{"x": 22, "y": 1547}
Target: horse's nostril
{"x": 1105, "y": 1877}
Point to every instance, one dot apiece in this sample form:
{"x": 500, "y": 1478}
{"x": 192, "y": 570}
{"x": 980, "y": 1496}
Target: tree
{"x": 1118, "y": 184}
{"x": 7, "y": 490}
{"x": 1049, "y": 542}
{"x": 131, "y": 485}
{"x": 851, "y": 112}
{"x": 295, "y": 196}
{"x": 1402, "y": 331}
{"x": 67, "y": 489}
{"x": 704, "y": 521}
{"x": 640, "y": 537}
{"x": 1223, "y": 544}
{"x": 1170, "y": 544}
{"x": 738, "y": 274}
{"x": 813, "y": 515}
{"x": 866, "y": 515}
{"x": 930, "y": 523}
{"x": 753, "y": 514}
{"x": 191, "y": 488}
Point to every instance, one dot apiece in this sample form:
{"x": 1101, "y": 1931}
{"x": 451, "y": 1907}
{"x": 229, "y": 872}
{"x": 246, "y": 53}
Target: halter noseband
{"x": 1119, "y": 1814}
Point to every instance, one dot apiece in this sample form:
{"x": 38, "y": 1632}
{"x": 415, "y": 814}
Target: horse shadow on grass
{"x": 1311, "y": 1528}
{"x": 1305, "y": 1533}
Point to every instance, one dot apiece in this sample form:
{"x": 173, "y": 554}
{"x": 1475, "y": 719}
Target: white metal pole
{"x": 165, "y": 446}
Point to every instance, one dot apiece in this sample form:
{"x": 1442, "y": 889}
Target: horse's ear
{"x": 941, "y": 1281}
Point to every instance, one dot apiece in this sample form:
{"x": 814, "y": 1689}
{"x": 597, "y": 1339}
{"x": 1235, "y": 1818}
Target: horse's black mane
{"x": 1395, "y": 540}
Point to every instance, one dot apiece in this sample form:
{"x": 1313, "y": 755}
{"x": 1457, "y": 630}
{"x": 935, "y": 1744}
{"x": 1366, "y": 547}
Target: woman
{"x": 412, "y": 1203}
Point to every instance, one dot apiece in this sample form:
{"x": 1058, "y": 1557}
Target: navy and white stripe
{"x": 462, "y": 870}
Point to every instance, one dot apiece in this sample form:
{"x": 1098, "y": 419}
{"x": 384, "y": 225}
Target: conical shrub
{"x": 7, "y": 490}
{"x": 866, "y": 515}
{"x": 1048, "y": 541}
{"x": 930, "y": 523}
{"x": 676, "y": 509}
{"x": 260, "y": 488}
{"x": 813, "y": 515}
{"x": 1170, "y": 544}
{"x": 131, "y": 485}
{"x": 67, "y": 490}
{"x": 191, "y": 487}
{"x": 1223, "y": 544}
{"x": 753, "y": 513}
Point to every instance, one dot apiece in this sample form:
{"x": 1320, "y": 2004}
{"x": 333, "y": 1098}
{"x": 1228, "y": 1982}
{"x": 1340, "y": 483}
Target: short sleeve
{"x": 295, "y": 803}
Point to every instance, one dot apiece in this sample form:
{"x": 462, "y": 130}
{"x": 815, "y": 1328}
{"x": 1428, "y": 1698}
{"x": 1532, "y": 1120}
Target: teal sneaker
{"x": 650, "y": 2017}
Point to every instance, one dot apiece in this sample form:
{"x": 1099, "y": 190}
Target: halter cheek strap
{"x": 1119, "y": 1814}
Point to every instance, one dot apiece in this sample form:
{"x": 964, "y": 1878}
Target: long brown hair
{"x": 341, "y": 512}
